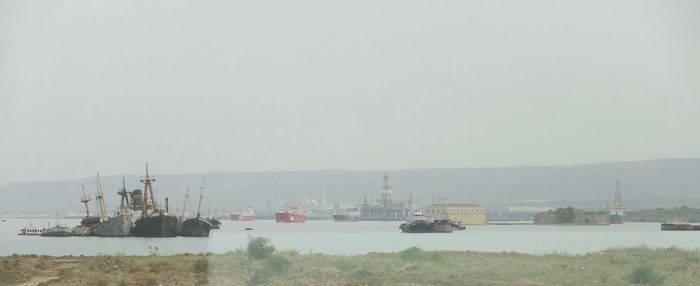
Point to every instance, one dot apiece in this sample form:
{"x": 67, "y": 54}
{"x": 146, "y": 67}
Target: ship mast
{"x": 618, "y": 194}
{"x": 100, "y": 199}
{"x": 147, "y": 188}
{"x": 125, "y": 199}
{"x": 201, "y": 195}
{"x": 187, "y": 200}
{"x": 85, "y": 199}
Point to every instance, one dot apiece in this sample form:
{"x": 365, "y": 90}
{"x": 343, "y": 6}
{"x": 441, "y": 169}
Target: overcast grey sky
{"x": 194, "y": 86}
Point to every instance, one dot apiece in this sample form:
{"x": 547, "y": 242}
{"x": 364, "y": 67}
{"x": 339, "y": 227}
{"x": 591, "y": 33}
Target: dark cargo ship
{"x": 679, "y": 226}
{"x": 196, "y": 226}
{"x": 421, "y": 224}
{"x": 154, "y": 222}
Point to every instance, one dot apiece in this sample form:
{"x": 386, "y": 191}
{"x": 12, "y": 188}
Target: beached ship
{"x": 154, "y": 221}
{"x": 31, "y": 230}
{"x": 246, "y": 215}
{"x": 350, "y": 215}
{"x": 215, "y": 222}
{"x": 196, "y": 226}
{"x": 118, "y": 225}
{"x": 291, "y": 215}
{"x": 57, "y": 231}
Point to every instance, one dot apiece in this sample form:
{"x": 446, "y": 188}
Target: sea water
{"x": 352, "y": 238}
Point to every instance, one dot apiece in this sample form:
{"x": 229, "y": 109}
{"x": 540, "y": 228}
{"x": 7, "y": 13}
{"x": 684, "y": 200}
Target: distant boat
{"x": 246, "y": 215}
{"x": 291, "y": 215}
{"x": 248, "y": 228}
{"x": 30, "y": 230}
{"x": 352, "y": 214}
{"x": 57, "y": 231}
{"x": 419, "y": 223}
{"x": 679, "y": 225}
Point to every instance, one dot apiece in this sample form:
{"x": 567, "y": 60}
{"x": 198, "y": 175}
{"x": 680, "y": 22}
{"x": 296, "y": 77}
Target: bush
{"x": 260, "y": 276}
{"x": 259, "y": 248}
{"x": 411, "y": 254}
{"x": 202, "y": 265}
{"x": 277, "y": 264}
{"x": 645, "y": 274}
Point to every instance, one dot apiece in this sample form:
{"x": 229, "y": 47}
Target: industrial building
{"x": 463, "y": 213}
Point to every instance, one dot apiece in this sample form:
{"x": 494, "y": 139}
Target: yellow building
{"x": 464, "y": 213}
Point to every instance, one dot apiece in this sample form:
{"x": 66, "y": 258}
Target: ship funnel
{"x": 166, "y": 205}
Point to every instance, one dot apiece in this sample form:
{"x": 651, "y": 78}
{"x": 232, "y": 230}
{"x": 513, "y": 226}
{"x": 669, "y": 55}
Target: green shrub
{"x": 645, "y": 274}
{"x": 411, "y": 254}
{"x": 277, "y": 264}
{"x": 202, "y": 265}
{"x": 260, "y": 276}
{"x": 259, "y": 248}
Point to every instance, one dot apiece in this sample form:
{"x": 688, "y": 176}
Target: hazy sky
{"x": 194, "y": 86}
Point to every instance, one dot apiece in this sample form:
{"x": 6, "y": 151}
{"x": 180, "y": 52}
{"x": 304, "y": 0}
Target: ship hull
{"x": 290, "y": 218}
{"x": 195, "y": 227}
{"x": 238, "y": 217}
{"x": 679, "y": 227}
{"x": 155, "y": 226}
{"x": 345, "y": 218}
{"x": 423, "y": 226}
{"x": 616, "y": 219}
{"x": 57, "y": 232}
{"x": 113, "y": 227}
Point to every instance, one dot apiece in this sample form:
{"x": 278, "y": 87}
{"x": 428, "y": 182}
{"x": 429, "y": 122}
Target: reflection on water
{"x": 355, "y": 238}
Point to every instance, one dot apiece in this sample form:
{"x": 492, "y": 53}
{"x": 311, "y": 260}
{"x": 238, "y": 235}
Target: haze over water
{"x": 329, "y": 237}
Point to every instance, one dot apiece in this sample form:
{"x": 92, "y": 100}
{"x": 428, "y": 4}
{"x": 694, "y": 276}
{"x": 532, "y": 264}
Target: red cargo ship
{"x": 295, "y": 215}
{"x": 246, "y": 215}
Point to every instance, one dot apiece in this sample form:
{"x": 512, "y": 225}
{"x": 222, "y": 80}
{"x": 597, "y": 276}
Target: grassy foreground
{"x": 260, "y": 264}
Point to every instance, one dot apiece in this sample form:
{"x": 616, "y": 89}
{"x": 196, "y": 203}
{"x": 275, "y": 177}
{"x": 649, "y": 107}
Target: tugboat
{"x": 291, "y": 215}
{"x": 154, "y": 222}
{"x": 196, "y": 226}
{"x": 421, "y": 224}
{"x": 118, "y": 225}
{"x": 352, "y": 214}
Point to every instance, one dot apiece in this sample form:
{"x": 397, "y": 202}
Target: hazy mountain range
{"x": 649, "y": 183}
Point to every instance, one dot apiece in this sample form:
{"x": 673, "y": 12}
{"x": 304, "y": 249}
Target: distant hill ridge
{"x": 642, "y": 180}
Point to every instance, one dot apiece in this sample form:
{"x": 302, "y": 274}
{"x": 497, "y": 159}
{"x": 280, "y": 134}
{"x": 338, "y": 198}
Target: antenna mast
{"x": 386, "y": 189}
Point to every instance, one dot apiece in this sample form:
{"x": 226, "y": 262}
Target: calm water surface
{"x": 351, "y": 238}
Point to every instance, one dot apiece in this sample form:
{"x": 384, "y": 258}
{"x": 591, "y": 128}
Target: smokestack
{"x": 166, "y": 205}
